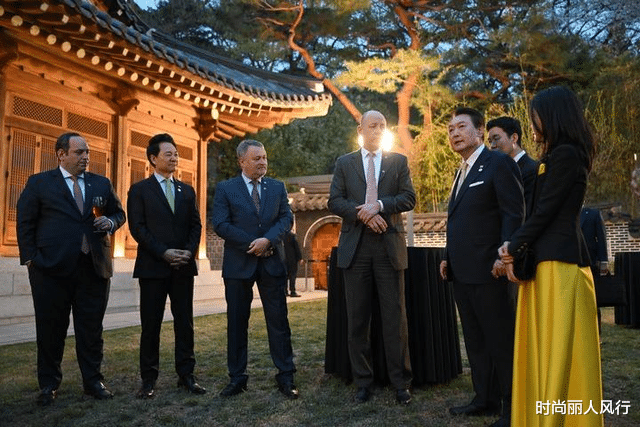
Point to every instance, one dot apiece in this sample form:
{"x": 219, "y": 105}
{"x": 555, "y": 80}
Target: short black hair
{"x": 62, "y": 143}
{"x": 477, "y": 118}
{"x": 154, "y": 145}
{"x": 509, "y": 125}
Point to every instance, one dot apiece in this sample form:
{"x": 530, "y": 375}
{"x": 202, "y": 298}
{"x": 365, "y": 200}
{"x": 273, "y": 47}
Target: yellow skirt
{"x": 557, "y": 378}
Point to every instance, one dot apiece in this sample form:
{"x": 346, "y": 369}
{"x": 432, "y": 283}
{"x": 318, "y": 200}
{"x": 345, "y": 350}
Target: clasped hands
{"x": 506, "y": 261}
{"x": 368, "y": 213}
{"x": 177, "y": 257}
{"x": 260, "y": 247}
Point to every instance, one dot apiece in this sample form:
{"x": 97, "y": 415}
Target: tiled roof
{"x": 223, "y": 71}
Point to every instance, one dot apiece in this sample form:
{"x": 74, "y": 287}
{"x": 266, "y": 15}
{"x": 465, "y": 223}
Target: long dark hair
{"x": 562, "y": 118}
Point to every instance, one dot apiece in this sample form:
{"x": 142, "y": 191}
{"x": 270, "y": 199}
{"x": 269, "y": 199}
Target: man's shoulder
{"x": 348, "y": 156}
{"x": 97, "y": 178}
{"x": 141, "y": 183}
{"x": 393, "y": 156}
{"x": 228, "y": 182}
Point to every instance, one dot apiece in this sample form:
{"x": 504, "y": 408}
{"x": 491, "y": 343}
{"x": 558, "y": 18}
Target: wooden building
{"x": 96, "y": 68}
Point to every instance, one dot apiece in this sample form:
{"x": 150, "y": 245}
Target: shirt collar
{"x": 248, "y": 180}
{"x": 378, "y": 153}
{"x": 519, "y": 155}
{"x": 473, "y": 157}
{"x": 66, "y": 174}
{"x": 161, "y": 178}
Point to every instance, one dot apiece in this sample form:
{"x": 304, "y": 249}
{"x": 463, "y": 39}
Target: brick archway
{"x": 319, "y": 239}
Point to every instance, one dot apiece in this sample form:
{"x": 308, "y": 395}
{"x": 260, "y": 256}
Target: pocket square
{"x": 476, "y": 183}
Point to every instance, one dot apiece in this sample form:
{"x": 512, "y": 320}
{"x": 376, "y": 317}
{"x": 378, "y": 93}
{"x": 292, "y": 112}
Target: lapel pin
{"x": 480, "y": 168}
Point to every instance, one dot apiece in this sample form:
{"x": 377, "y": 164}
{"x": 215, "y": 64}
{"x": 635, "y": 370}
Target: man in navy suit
{"x": 505, "y": 134}
{"x": 164, "y": 220}
{"x": 66, "y": 246}
{"x": 251, "y": 213}
{"x": 370, "y": 190}
{"x": 486, "y": 206}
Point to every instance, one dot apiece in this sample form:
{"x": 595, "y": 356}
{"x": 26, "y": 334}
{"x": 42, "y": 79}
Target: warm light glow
{"x": 202, "y": 252}
{"x": 81, "y": 53}
{"x": 34, "y": 30}
{"x": 16, "y": 20}
{"x": 51, "y": 39}
{"x": 66, "y": 46}
{"x": 118, "y": 250}
{"x": 387, "y": 141}
{"x": 214, "y": 114}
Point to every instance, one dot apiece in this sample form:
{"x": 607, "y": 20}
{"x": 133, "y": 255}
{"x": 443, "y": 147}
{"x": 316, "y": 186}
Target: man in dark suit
{"x": 595, "y": 235}
{"x": 293, "y": 256}
{"x": 486, "y": 206}
{"x": 370, "y": 190}
{"x": 505, "y": 134}
{"x": 65, "y": 218}
{"x": 251, "y": 213}
{"x": 164, "y": 220}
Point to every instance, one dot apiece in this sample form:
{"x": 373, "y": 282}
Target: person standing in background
{"x": 293, "y": 257}
{"x": 65, "y": 217}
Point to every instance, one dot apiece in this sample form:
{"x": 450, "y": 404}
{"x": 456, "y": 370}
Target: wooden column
{"x": 8, "y": 54}
{"x": 205, "y": 127}
{"x": 123, "y": 101}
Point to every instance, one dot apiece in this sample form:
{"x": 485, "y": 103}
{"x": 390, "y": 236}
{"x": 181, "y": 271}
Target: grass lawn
{"x": 325, "y": 400}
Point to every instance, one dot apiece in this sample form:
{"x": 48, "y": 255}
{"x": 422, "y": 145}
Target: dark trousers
{"x": 292, "y": 274}
{"x": 153, "y": 297}
{"x": 488, "y": 325}
{"x": 87, "y": 294}
{"x": 239, "y": 294}
{"x": 371, "y": 268}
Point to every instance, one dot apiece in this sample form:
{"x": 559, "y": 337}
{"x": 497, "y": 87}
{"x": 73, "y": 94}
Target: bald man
{"x": 369, "y": 191}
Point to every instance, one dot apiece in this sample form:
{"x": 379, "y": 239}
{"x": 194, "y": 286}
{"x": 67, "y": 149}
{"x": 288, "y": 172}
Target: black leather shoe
{"x": 234, "y": 388}
{"x": 188, "y": 382}
{"x": 474, "y": 410}
{"x": 502, "y": 422}
{"x": 47, "y": 396}
{"x": 294, "y": 294}
{"x": 146, "y": 391}
{"x": 403, "y": 396}
{"x": 289, "y": 389}
{"x": 97, "y": 390}
{"x": 362, "y": 395}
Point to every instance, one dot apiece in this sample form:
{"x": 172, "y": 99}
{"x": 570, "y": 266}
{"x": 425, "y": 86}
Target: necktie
{"x": 255, "y": 195}
{"x": 461, "y": 177}
{"x": 372, "y": 186}
{"x": 77, "y": 195}
{"x": 168, "y": 191}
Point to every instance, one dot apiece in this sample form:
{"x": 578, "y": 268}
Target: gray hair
{"x": 242, "y": 148}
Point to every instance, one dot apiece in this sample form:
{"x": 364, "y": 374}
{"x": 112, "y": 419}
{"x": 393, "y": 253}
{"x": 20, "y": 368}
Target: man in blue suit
{"x": 65, "y": 219}
{"x": 251, "y": 213}
{"x": 485, "y": 208}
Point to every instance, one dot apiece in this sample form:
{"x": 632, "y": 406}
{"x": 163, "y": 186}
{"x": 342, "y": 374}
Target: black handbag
{"x": 610, "y": 290}
{"x": 524, "y": 267}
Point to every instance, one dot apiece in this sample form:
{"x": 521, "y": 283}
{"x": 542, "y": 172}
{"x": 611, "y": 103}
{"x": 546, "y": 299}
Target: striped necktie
{"x": 77, "y": 195}
{"x": 372, "y": 186}
{"x": 255, "y": 195}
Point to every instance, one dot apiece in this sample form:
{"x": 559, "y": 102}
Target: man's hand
{"x": 503, "y": 252}
{"x": 177, "y": 257}
{"x": 259, "y": 246}
{"x": 604, "y": 268}
{"x": 498, "y": 269}
{"x": 368, "y": 211}
{"x": 102, "y": 223}
{"x": 443, "y": 269}
{"x": 377, "y": 224}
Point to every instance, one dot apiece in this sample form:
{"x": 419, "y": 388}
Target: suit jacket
{"x": 292, "y": 251}
{"x": 236, "y": 220}
{"x": 156, "y": 228}
{"x": 553, "y": 229}
{"x": 528, "y": 170}
{"x": 50, "y": 225}
{"x": 488, "y": 209}
{"x": 595, "y": 235}
{"x": 348, "y": 190}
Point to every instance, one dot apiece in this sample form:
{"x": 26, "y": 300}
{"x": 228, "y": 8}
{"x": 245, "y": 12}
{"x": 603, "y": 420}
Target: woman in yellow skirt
{"x": 557, "y": 375}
